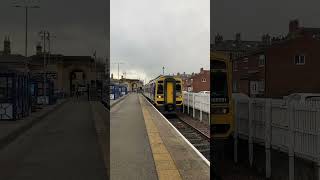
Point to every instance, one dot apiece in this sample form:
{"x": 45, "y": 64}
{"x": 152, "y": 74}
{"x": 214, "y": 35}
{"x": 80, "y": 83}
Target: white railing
{"x": 293, "y": 128}
{"x": 196, "y": 101}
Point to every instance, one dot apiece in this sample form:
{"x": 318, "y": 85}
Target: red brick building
{"x": 198, "y": 81}
{"x": 289, "y": 65}
{"x": 184, "y": 77}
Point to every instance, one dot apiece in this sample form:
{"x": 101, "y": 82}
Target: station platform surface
{"x": 145, "y": 146}
{"x": 62, "y": 146}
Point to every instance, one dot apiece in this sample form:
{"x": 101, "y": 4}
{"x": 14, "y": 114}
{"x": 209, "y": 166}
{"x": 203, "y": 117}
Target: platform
{"x": 63, "y": 145}
{"x": 145, "y": 146}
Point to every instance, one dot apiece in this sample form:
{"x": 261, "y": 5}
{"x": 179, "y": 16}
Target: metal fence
{"x": 196, "y": 101}
{"x": 293, "y": 128}
{"x": 14, "y": 95}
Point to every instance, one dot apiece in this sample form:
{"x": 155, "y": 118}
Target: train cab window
{"x": 178, "y": 87}
{"x": 160, "y": 89}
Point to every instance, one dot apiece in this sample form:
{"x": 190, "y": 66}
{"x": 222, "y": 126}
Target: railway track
{"x": 200, "y": 141}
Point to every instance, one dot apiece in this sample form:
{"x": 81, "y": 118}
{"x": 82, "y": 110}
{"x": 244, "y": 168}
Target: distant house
{"x": 198, "y": 81}
{"x": 236, "y": 48}
{"x": 184, "y": 77}
{"x": 289, "y": 65}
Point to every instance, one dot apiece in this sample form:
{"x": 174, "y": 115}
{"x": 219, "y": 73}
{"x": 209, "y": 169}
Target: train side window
{"x": 160, "y": 89}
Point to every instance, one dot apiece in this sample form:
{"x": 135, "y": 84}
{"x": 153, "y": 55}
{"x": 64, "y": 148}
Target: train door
{"x": 170, "y": 93}
{"x": 169, "y": 97}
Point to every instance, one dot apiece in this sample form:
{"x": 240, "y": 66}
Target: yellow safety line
{"x": 165, "y": 166}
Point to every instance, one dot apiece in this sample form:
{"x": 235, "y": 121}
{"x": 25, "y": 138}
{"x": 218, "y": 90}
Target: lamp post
{"x": 26, "y": 7}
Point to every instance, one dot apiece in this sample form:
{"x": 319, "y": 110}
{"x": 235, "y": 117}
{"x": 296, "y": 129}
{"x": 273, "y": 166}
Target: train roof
{"x": 165, "y": 76}
{"x": 216, "y": 55}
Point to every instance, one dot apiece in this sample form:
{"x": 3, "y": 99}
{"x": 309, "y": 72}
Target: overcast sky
{"x": 253, "y": 18}
{"x": 149, "y": 34}
{"x": 79, "y": 25}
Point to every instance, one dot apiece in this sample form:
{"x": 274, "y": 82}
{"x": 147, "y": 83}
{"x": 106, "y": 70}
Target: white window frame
{"x": 235, "y": 66}
{"x": 203, "y": 80}
{"x": 300, "y": 60}
{"x": 262, "y": 60}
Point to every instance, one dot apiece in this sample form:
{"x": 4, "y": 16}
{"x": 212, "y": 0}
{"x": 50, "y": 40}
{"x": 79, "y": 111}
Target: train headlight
{"x": 160, "y": 96}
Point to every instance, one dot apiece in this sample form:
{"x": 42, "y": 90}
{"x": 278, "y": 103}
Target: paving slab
{"x": 130, "y": 151}
{"x": 189, "y": 164}
{"x": 63, "y": 146}
{"x": 10, "y": 130}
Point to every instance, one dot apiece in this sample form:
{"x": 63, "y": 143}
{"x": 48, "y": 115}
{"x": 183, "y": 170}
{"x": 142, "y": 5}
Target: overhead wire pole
{"x": 27, "y": 7}
{"x": 43, "y": 35}
{"x": 49, "y": 38}
{"x": 95, "y": 67}
{"x": 118, "y": 63}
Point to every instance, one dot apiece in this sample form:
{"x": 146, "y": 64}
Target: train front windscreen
{"x": 219, "y": 82}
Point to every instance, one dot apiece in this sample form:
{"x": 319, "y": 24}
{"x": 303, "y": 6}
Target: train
{"x": 221, "y": 103}
{"x": 165, "y": 93}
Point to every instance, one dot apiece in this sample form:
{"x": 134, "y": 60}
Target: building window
{"x": 261, "y": 85}
{"x": 299, "y": 60}
{"x": 262, "y": 60}
{"x": 203, "y": 80}
{"x": 235, "y": 86}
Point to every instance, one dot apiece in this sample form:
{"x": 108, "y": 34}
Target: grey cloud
{"x": 80, "y": 25}
{"x": 253, "y": 18}
{"x": 150, "y": 34}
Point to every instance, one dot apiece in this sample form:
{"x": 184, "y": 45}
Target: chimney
{"x": 111, "y": 75}
{"x": 201, "y": 70}
{"x": 218, "y": 39}
{"x": 293, "y": 26}
{"x": 39, "y": 49}
{"x": 6, "y": 46}
{"x": 266, "y": 39}
{"x": 238, "y": 37}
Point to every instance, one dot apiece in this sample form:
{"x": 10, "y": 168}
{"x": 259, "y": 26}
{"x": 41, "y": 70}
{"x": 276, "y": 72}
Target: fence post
{"x": 183, "y": 107}
{"x": 201, "y": 107}
{"x": 268, "y": 136}
{"x": 188, "y": 103}
{"x": 318, "y": 145}
{"x": 235, "y": 135}
{"x": 290, "y": 118}
{"x": 183, "y": 100}
{"x": 250, "y": 140}
{"x": 193, "y": 105}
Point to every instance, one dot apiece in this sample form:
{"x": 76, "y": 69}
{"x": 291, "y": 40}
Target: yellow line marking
{"x": 165, "y": 166}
